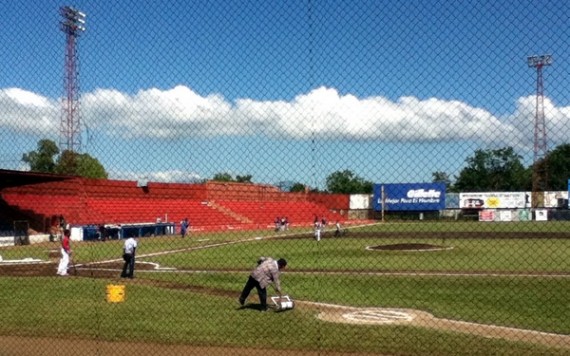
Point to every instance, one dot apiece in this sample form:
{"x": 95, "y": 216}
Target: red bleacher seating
{"x": 136, "y": 210}
{"x": 265, "y": 212}
{"x": 87, "y": 202}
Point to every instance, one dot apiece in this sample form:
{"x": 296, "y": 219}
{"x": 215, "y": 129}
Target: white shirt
{"x": 130, "y": 245}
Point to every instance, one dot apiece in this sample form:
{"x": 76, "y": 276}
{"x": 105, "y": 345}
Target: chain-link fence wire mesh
{"x": 257, "y": 121}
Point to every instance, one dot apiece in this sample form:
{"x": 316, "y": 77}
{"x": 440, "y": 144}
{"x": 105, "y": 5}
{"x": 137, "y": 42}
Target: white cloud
{"x": 159, "y": 176}
{"x": 323, "y": 113}
{"x": 557, "y": 119}
{"x": 26, "y": 112}
{"x": 177, "y": 112}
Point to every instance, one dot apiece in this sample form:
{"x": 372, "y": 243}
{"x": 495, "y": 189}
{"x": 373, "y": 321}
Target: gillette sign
{"x": 409, "y": 196}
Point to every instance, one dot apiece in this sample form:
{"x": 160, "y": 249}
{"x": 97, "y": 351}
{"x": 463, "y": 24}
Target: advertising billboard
{"x": 495, "y": 200}
{"x": 487, "y": 215}
{"x": 409, "y": 196}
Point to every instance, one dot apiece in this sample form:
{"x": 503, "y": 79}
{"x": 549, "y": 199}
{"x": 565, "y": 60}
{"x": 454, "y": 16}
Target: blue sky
{"x": 286, "y": 90}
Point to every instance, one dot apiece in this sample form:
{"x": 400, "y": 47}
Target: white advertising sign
{"x": 494, "y": 200}
{"x": 541, "y": 215}
{"x": 360, "y": 201}
{"x": 505, "y": 215}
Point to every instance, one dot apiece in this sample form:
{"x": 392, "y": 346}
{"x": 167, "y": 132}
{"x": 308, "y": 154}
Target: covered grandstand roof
{"x": 9, "y": 178}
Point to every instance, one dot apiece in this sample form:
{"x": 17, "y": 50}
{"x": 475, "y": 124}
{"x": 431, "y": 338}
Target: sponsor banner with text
{"x": 495, "y": 200}
{"x": 409, "y": 197}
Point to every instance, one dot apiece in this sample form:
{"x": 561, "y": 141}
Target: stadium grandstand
{"x": 43, "y": 199}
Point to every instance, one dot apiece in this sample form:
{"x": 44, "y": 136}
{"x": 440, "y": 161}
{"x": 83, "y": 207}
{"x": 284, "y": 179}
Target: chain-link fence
{"x": 300, "y": 177}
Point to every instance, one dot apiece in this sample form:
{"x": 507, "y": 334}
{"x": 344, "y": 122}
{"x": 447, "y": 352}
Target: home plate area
{"x": 378, "y": 316}
{"x": 389, "y": 316}
{"x": 367, "y": 316}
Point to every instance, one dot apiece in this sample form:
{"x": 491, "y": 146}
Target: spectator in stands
{"x": 65, "y": 252}
{"x": 62, "y": 223}
{"x": 102, "y": 232}
{"x": 129, "y": 250}
{"x": 61, "y": 226}
{"x": 53, "y": 233}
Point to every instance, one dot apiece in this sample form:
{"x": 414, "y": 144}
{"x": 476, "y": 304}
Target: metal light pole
{"x": 72, "y": 24}
{"x": 539, "y": 172}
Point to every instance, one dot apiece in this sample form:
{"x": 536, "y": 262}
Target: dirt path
{"x": 23, "y": 346}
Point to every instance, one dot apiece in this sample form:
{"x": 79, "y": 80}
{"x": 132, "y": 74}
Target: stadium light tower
{"x": 72, "y": 24}
{"x": 539, "y": 172}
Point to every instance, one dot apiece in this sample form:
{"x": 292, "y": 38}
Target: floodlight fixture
{"x": 73, "y": 20}
{"x": 540, "y": 61}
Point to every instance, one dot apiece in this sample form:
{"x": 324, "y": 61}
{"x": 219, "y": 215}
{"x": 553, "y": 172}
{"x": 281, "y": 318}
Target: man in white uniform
{"x": 318, "y": 228}
{"x": 129, "y": 251}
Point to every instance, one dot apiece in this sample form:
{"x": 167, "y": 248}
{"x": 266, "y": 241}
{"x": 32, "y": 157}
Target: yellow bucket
{"x": 115, "y": 293}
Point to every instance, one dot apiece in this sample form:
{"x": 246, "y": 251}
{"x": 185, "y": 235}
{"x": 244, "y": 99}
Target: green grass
{"x": 473, "y": 226}
{"x": 535, "y": 303}
{"x": 490, "y": 284}
{"x": 470, "y": 255}
{"x": 78, "y": 307}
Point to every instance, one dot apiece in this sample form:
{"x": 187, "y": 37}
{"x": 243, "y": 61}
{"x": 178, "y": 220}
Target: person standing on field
{"x": 184, "y": 226}
{"x": 267, "y": 272}
{"x": 129, "y": 251}
{"x": 317, "y": 229}
{"x": 65, "y": 252}
{"x": 338, "y": 230}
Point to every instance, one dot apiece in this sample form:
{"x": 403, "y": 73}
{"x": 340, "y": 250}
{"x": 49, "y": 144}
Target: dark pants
{"x": 129, "y": 266}
{"x": 262, "y": 292}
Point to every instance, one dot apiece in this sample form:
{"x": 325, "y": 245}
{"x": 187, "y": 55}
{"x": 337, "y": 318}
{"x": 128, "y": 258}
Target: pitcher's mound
{"x": 409, "y": 247}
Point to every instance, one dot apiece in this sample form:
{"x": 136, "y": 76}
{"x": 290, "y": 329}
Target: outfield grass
{"x": 489, "y": 281}
{"x": 473, "y": 226}
{"x": 470, "y": 255}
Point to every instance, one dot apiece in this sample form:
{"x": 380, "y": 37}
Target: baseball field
{"x": 441, "y": 288}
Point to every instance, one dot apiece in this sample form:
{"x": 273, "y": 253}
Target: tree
{"x": 493, "y": 170}
{"x": 346, "y": 182}
{"x": 90, "y": 167}
{"x": 68, "y": 162}
{"x": 442, "y": 177}
{"x": 226, "y": 177}
{"x": 558, "y": 167}
{"x": 42, "y": 160}
{"x": 223, "y": 177}
{"x": 291, "y": 186}
{"x": 297, "y": 188}
{"x": 244, "y": 179}
{"x": 83, "y": 165}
